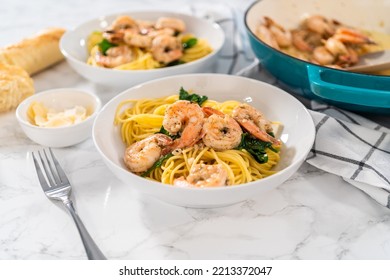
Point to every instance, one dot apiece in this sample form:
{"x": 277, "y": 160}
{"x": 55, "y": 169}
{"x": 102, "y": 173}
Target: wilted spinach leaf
{"x": 195, "y": 98}
{"x": 190, "y": 43}
{"x": 156, "y": 164}
{"x": 255, "y": 147}
{"x": 165, "y": 132}
{"x": 104, "y": 45}
{"x": 174, "y": 63}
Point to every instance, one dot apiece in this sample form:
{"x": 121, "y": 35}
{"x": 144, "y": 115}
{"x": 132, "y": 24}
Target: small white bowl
{"x": 297, "y": 135}
{"x": 60, "y": 99}
{"x": 73, "y": 47}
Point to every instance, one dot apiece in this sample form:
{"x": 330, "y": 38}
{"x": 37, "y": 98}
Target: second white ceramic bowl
{"x": 297, "y": 135}
{"x": 60, "y": 99}
{"x": 73, "y": 47}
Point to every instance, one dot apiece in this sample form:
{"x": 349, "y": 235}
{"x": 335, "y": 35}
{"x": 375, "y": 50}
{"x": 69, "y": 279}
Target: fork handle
{"x": 92, "y": 250}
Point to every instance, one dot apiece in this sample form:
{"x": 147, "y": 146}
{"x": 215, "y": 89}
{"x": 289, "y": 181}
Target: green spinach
{"x": 255, "y": 147}
{"x": 195, "y": 98}
{"x": 157, "y": 164}
{"x": 174, "y": 63}
{"x": 165, "y": 132}
{"x": 190, "y": 43}
{"x": 104, "y": 45}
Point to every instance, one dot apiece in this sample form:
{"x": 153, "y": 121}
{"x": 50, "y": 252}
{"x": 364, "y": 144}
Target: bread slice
{"x": 15, "y": 86}
{"x": 35, "y": 53}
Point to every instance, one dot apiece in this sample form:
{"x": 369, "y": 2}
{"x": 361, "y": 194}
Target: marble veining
{"x": 314, "y": 215}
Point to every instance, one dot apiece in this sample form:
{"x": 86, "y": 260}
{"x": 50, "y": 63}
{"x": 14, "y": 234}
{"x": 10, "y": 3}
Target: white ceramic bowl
{"x": 60, "y": 99}
{"x": 297, "y": 136}
{"x": 73, "y": 47}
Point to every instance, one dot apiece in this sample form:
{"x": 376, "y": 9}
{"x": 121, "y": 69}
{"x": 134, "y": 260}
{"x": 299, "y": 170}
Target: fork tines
{"x": 50, "y": 173}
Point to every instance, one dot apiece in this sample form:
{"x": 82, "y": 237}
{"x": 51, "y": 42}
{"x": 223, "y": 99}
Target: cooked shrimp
{"x": 141, "y": 155}
{"x": 166, "y": 48}
{"x": 117, "y": 29}
{"x": 335, "y": 46}
{"x": 338, "y": 49}
{"x": 320, "y": 25}
{"x": 352, "y": 36}
{"x": 203, "y": 175}
{"x": 137, "y": 39}
{"x": 266, "y": 36}
{"x": 173, "y": 23}
{"x": 281, "y": 35}
{"x": 254, "y": 122}
{"x": 187, "y": 118}
{"x": 322, "y": 56}
{"x": 300, "y": 40}
{"x": 348, "y": 59}
{"x": 145, "y": 26}
{"x": 123, "y": 22}
{"x": 318, "y": 39}
{"x": 114, "y": 36}
{"x": 115, "y": 56}
{"x": 335, "y": 52}
{"x": 164, "y": 31}
{"x": 220, "y": 131}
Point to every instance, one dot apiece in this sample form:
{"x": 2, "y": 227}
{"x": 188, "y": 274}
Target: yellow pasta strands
{"x": 143, "y": 58}
{"x": 199, "y": 50}
{"x": 143, "y": 62}
{"x": 240, "y": 165}
{"x": 93, "y": 39}
{"x": 141, "y": 118}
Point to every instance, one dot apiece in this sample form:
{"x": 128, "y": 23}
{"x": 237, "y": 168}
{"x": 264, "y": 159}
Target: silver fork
{"x": 56, "y": 186}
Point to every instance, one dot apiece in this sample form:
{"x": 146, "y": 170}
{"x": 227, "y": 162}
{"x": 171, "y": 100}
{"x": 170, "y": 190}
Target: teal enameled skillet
{"x": 348, "y": 90}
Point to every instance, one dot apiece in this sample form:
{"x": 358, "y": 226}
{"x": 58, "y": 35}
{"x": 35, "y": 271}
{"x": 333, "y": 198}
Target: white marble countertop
{"x": 314, "y": 215}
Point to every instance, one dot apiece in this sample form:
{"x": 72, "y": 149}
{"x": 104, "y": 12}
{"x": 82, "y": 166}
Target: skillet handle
{"x": 352, "y": 88}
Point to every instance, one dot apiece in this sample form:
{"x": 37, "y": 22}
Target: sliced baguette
{"x": 35, "y": 53}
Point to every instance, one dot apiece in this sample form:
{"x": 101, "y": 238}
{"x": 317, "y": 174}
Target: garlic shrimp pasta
{"x": 130, "y": 44}
{"x": 188, "y": 140}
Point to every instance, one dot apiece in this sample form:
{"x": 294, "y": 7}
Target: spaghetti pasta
{"x": 199, "y": 50}
{"x": 139, "y": 119}
{"x": 144, "y": 47}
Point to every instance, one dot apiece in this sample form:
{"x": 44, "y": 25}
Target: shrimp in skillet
{"x": 281, "y": 35}
{"x": 339, "y": 49}
{"x": 321, "y": 25}
{"x": 254, "y": 122}
{"x": 141, "y": 155}
{"x": 187, "y": 118}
